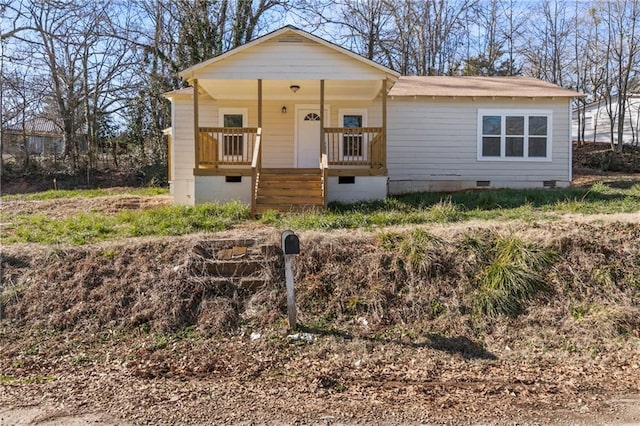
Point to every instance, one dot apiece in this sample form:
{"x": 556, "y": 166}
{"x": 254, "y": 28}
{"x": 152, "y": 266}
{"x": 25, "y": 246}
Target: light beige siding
{"x": 182, "y": 128}
{"x": 437, "y": 140}
{"x": 303, "y": 59}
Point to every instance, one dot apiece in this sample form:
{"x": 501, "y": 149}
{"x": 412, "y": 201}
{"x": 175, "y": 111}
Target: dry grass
{"x": 390, "y": 285}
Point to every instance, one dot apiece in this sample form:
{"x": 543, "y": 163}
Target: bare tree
{"x": 624, "y": 51}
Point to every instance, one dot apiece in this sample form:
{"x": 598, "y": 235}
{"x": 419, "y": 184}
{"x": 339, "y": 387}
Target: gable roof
{"x": 188, "y": 73}
{"x": 494, "y": 87}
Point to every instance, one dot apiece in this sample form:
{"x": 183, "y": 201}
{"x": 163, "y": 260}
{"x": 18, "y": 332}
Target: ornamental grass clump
{"x": 513, "y": 276}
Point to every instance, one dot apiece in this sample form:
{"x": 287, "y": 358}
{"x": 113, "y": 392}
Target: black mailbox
{"x": 290, "y": 243}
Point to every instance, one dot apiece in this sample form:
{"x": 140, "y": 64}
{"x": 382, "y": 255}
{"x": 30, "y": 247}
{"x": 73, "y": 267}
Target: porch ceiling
{"x": 280, "y": 89}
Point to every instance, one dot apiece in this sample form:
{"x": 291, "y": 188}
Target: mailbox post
{"x": 290, "y": 248}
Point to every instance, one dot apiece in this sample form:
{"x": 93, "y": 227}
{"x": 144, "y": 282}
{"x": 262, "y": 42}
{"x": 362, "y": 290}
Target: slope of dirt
{"x": 598, "y": 158}
{"x": 139, "y": 331}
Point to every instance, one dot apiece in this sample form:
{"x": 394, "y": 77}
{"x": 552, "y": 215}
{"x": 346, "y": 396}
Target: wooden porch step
{"x": 290, "y": 178}
{"x": 289, "y": 190}
{"x": 290, "y": 184}
{"x": 308, "y": 198}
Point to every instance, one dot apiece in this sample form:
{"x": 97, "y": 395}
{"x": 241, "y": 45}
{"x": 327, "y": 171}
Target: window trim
{"x": 365, "y": 143}
{"x": 526, "y": 113}
{"x": 245, "y": 119}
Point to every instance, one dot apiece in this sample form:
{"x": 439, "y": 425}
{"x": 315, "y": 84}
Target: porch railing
{"x": 226, "y": 146}
{"x": 355, "y": 146}
{"x": 256, "y": 168}
{"x": 324, "y": 171}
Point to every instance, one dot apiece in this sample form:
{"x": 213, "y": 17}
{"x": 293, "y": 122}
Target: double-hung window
{"x": 514, "y": 135}
{"x": 233, "y": 142}
{"x": 353, "y": 141}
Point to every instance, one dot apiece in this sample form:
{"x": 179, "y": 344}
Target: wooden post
{"x": 259, "y": 102}
{"x": 290, "y": 244}
{"x": 322, "y": 147}
{"x": 291, "y": 293}
{"x": 383, "y": 157}
{"x": 196, "y": 125}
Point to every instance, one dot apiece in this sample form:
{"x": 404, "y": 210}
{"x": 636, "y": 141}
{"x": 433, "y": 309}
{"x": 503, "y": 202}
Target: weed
{"x": 109, "y": 253}
{"x": 6, "y": 379}
{"x": 437, "y": 308}
{"x": 160, "y": 341}
{"x": 416, "y": 247}
{"x": 446, "y": 211}
{"x": 354, "y": 303}
{"x": 81, "y": 359}
{"x": 579, "y": 312}
{"x": 512, "y": 278}
{"x": 270, "y": 217}
{"x": 38, "y": 378}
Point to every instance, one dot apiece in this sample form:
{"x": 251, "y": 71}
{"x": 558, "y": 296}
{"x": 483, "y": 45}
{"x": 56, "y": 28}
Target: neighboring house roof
{"x": 189, "y": 72}
{"x": 39, "y": 125}
{"x": 603, "y": 102}
{"x": 494, "y": 87}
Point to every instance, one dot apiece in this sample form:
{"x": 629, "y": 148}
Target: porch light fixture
{"x": 294, "y": 88}
{"x": 284, "y": 109}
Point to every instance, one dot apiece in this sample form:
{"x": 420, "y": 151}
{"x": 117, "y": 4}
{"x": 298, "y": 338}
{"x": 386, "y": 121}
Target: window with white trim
{"x": 514, "y": 135}
{"x": 353, "y": 142}
{"x": 233, "y": 144}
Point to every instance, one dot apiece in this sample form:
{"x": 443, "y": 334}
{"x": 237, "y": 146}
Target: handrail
{"x": 324, "y": 169}
{"x": 256, "y": 166}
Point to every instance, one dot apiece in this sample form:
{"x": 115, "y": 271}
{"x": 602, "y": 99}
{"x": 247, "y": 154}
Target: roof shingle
{"x": 503, "y": 87}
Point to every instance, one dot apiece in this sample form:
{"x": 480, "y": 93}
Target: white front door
{"x": 308, "y": 137}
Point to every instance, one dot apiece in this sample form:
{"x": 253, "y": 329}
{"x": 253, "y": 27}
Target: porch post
{"x": 383, "y": 157}
{"x": 322, "y": 147}
{"x": 259, "y": 102}
{"x": 196, "y": 125}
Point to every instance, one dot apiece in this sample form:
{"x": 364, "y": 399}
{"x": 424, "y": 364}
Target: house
{"x": 597, "y": 121}
{"x": 35, "y": 137}
{"x": 290, "y": 121}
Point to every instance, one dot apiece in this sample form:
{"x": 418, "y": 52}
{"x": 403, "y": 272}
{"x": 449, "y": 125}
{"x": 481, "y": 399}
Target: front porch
{"x": 302, "y": 151}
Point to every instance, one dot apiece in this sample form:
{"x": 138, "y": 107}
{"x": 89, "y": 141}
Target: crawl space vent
{"x": 483, "y": 183}
{"x": 233, "y": 179}
{"x": 549, "y": 184}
